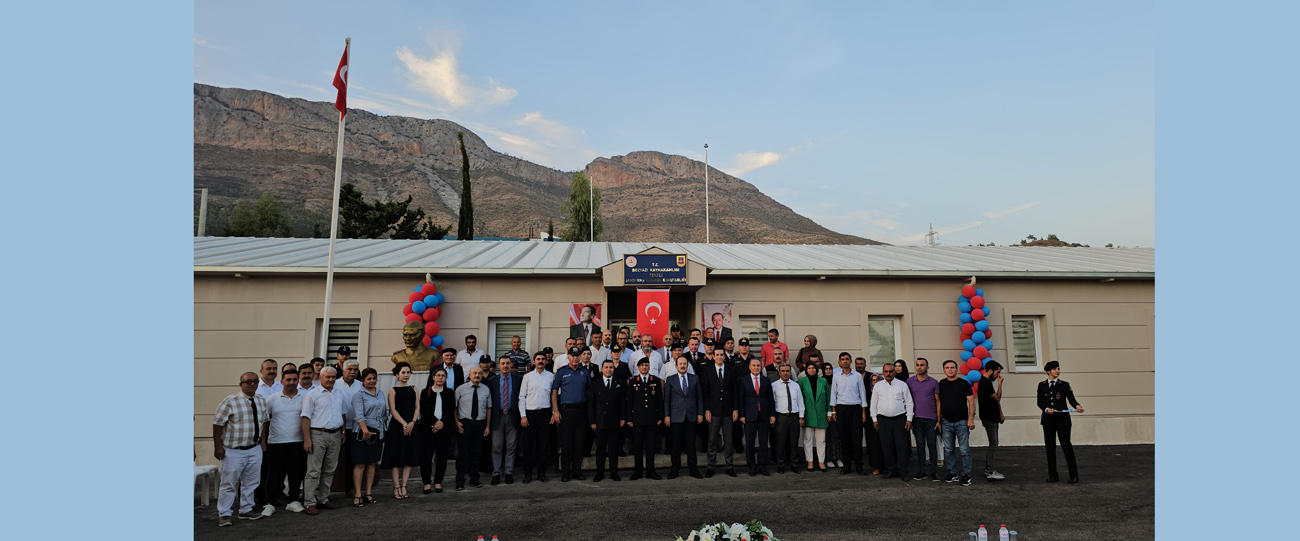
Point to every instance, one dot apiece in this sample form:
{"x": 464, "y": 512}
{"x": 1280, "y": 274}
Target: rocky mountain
{"x": 248, "y": 142}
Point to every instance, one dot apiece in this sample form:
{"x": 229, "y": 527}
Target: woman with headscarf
{"x": 809, "y": 348}
{"x": 816, "y": 399}
{"x": 832, "y": 435}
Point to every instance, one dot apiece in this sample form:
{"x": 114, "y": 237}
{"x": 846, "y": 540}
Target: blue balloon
{"x": 964, "y": 307}
{"x": 987, "y": 313}
{"x": 441, "y": 298}
{"x": 430, "y": 301}
{"x": 988, "y": 344}
{"x": 979, "y": 292}
{"x": 418, "y": 307}
{"x": 436, "y": 341}
{"x": 417, "y": 288}
{"x": 977, "y": 337}
{"x": 966, "y": 355}
{"x": 973, "y": 376}
{"x": 982, "y": 325}
{"x": 968, "y": 344}
{"x": 965, "y": 318}
{"x": 962, "y": 298}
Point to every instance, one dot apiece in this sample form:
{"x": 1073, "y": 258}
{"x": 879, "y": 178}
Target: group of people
{"x": 797, "y": 413}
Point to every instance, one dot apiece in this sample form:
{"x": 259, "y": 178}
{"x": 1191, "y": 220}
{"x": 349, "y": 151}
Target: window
{"x": 1024, "y": 340}
{"x": 883, "y": 333}
{"x": 755, "y": 329}
{"x": 501, "y": 330}
{"x": 343, "y": 332}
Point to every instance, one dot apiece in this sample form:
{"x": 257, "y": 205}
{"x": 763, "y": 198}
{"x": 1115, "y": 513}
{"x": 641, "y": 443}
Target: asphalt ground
{"x": 1114, "y": 500}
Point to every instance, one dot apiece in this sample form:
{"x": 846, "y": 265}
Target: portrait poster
{"x": 717, "y": 316}
{"x": 580, "y": 316}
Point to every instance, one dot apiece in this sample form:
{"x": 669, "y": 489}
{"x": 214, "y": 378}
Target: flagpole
{"x": 591, "y": 207}
{"x": 334, "y": 225}
{"x": 706, "y": 193}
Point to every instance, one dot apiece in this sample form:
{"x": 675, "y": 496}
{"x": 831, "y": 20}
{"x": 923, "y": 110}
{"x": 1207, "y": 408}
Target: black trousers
{"x": 756, "y": 448}
{"x": 435, "y": 446}
{"x": 284, "y": 460}
{"x": 873, "y": 452}
{"x": 471, "y": 449}
{"x": 849, "y": 421}
{"x": 643, "y": 447}
{"x": 1050, "y": 435}
{"x": 259, "y": 493}
{"x": 537, "y": 441}
{"x": 683, "y": 442}
{"x": 786, "y": 439}
{"x": 573, "y": 436}
{"x": 607, "y": 449}
{"x": 894, "y": 443}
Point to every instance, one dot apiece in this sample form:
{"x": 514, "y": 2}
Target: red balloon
{"x": 436, "y": 311}
{"x": 979, "y": 353}
{"x": 413, "y": 317}
{"x": 965, "y": 337}
{"x": 977, "y": 301}
{"x": 967, "y": 329}
{"x": 428, "y": 341}
{"x": 974, "y": 364}
{"x": 415, "y": 296}
{"x": 977, "y": 315}
{"x": 406, "y": 310}
{"x": 430, "y": 329}
{"x": 975, "y": 388}
{"x": 963, "y": 369}
{"x": 428, "y": 289}
{"x": 968, "y": 291}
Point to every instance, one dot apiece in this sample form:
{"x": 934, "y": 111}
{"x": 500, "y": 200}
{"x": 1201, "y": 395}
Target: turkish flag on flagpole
{"x": 341, "y": 82}
{"x": 652, "y": 314}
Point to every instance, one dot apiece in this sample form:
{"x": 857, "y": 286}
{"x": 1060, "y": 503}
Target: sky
{"x": 988, "y": 121}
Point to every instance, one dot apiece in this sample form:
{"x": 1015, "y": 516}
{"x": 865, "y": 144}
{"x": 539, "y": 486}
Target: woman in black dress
{"x": 437, "y": 420}
{"x": 401, "y": 443}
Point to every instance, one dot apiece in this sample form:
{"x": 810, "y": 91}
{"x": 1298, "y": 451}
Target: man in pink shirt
{"x": 773, "y": 343}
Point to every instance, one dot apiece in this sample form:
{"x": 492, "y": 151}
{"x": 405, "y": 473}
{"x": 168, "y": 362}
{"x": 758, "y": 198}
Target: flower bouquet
{"x": 751, "y": 531}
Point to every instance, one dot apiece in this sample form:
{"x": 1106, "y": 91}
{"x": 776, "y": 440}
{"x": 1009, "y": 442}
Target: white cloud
{"x": 542, "y": 140}
{"x": 995, "y": 214}
{"x": 749, "y": 160}
{"x": 200, "y": 42}
{"x": 440, "y": 76}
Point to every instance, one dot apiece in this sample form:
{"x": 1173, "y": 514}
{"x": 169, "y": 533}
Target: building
{"x": 1092, "y": 309}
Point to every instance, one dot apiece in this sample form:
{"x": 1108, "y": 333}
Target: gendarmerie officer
{"x": 645, "y": 408}
{"x": 569, "y": 409}
{"x": 605, "y": 403}
{"x": 1053, "y": 394}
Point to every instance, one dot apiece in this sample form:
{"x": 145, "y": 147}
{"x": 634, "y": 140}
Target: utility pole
{"x": 203, "y": 212}
{"x": 706, "y": 193}
{"x": 931, "y": 235}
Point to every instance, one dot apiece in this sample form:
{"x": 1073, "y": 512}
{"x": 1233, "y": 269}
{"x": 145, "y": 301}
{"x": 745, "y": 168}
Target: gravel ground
{"x": 1114, "y": 500}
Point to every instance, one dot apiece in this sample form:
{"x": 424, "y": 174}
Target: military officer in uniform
{"x": 1053, "y": 394}
{"x": 645, "y": 408}
{"x": 605, "y": 402}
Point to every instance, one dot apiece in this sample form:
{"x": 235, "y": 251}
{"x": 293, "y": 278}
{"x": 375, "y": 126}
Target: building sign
{"x": 654, "y": 269}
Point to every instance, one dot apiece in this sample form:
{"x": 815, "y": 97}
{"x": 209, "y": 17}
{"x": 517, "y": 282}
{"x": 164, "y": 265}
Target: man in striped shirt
{"x": 238, "y": 444}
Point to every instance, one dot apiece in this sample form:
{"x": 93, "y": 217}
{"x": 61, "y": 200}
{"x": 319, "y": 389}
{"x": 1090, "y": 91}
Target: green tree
{"x": 578, "y": 211}
{"x": 262, "y": 218}
{"x": 382, "y": 219}
{"x": 465, "y": 227}
{"x": 550, "y": 230}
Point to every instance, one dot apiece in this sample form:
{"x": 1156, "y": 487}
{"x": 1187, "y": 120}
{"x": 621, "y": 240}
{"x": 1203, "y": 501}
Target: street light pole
{"x": 706, "y": 193}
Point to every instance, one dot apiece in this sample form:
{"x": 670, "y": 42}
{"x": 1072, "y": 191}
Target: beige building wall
{"x": 1102, "y": 333}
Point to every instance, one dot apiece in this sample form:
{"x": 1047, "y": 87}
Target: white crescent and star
{"x": 343, "y": 74}
{"x": 647, "y": 311}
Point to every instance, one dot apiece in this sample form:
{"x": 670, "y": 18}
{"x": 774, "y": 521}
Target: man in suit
{"x": 757, "y": 412}
{"x": 789, "y": 417}
{"x": 695, "y": 356}
{"x": 645, "y": 412}
{"x": 605, "y": 402}
{"x": 455, "y": 372}
{"x": 1052, "y": 397}
{"x": 720, "y": 334}
{"x": 720, "y": 384}
{"x": 586, "y": 328}
{"x": 505, "y": 420}
{"x": 683, "y": 410}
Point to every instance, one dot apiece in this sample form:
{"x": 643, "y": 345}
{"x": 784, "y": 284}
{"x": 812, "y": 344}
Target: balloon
{"x": 974, "y": 363}
{"x": 987, "y": 344}
{"x": 436, "y": 312}
{"x": 982, "y": 326}
{"x": 973, "y": 376}
{"x": 415, "y": 296}
{"x": 417, "y": 289}
{"x": 437, "y": 341}
{"x": 968, "y": 291}
{"x": 977, "y": 301}
{"x": 417, "y": 307}
{"x": 413, "y": 317}
{"x": 986, "y": 310}
{"x": 968, "y": 345}
{"x": 441, "y": 299}
{"x": 966, "y": 355}
{"x": 985, "y": 362}
{"x": 964, "y": 307}
{"x": 979, "y": 351}
{"x": 975, "y": 388}
{"x": 968, "y": 328}
{"x": 964, "y": 318}
{"x": 978, "y": 337}
{"x": 977, "y": 315}
{"x": 427, "y": 341}
{"x": 430, "y": 301}
{"x": 979, "y": 292}
{"x": 406, "y": 310}
{"x": 430, "y": 329}
{"x": 961, "y": 298}
{"x": 428, "y": 289}
{"x": 963, "y": 369}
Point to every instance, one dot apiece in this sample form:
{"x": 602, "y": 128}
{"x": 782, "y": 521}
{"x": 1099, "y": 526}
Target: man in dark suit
{"x": 757, "y": 412}
{"x": 719, "y": 385}
{"x": 720, "y": 334}
{"x": 586, "y": 329}
{"x": 505, "y": 419}
{"x": 695, "y": 356}
{"x": 455, "y": 372}
{"x": 1053, "y": 394}
{"x": 605, "y": 403}
{"x": 683, "y": 411}
{"x": 645, "y": 412}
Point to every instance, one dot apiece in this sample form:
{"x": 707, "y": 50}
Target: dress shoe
{"x": 310, "y": 510}
{"x": 1074, "y": 479}
{"x": 614, "y": 477}
{"x": 752, "y": 473}
{"x": 795, "y": 469}
{"x": 708, "y": 473}
{"x": 510, "y": 479}
{"x": 764, "y": 472}
{"x": 528, "y": 478}
{"x": 1053, "y": 479}
{"x": 564, "y": 477}
{"x": 634, "y": 477}
{"x": 780, "y": 470}
{"x": 653, "y": 475}
{"x": 578, "y": 476}
{"x": 251, "y": 515}
{"x": 541, "y": 477}
{"x": 845, "y": 471}
{"x": 696, "y": 474}
{"x": 672, "y": 475}
{"x": 496, "y": 480}
{"x": 731, "y": 472}
{"x": 475, "y": 484}
{"x": 598, "y": 478}
{"x": 904, "y": 478}
{"x": 327, "y": 505}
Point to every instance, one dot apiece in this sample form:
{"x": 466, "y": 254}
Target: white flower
{"x": 738, "y": 532}
{"x": 767, "y": 532}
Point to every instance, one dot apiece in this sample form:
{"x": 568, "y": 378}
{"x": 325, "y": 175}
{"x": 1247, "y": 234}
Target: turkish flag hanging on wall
{"x": 652, "y": 314}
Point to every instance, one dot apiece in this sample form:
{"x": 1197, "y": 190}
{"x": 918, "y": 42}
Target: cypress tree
{"x": 465, "y": 228}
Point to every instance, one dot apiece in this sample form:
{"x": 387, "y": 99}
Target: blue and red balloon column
{"x": 976, "y": 341}
{"x": 425, "y": 305}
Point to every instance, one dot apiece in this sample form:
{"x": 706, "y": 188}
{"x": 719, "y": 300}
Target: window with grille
{"x": 501, "y": 330}
{"x": 342, "y": 332}
{"x": 883, "y": 334}
{"x": 1024, "y": 340}
{"x": 755, "y": 329}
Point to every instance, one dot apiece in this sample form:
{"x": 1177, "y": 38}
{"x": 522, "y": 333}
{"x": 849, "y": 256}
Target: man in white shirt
{"x": 322, "y": 428}
{"x": 600, "y": 350}
{"x": 563, "y": 358}
{"x": 306, "y": 373}
{"x": 789, "y": 417}
{"x": 266, "y": 384}
{"x": 535, "y": 405}
{"x": 348, "y": 385}
{"x": 284, "y": 453}
{"x": 647, "y": 351}
{"x": 891, "y": 414}
{"x": 469, "y": 357}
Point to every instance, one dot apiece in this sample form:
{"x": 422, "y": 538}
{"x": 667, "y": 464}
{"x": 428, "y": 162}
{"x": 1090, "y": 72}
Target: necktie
{"x": 789, "y": 402}
{"x": 758, "y": 394}
{"x": 607, "y": 387}
{"x": 473, "y": 407}
{"x": 257, "y": 428}
{"x": 683, "y": 383}
{"x": 505, "y": 394}
{"x": 719, "y": 373}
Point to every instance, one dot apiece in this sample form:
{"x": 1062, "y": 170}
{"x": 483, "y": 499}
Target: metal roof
{"x": 374, "y": 256}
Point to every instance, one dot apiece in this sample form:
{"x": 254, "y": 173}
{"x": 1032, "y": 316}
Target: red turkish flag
{"x": 652, "y": 314}
{"x": 341, "y": 83}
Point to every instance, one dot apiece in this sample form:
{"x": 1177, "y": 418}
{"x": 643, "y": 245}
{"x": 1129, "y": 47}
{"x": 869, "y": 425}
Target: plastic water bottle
{"x": 1013, "y": 535}
{"x": 494, "y": 538}
{"x": 1003, "y": 534}
{"x": 983, "y": 534}
{"x": 972, "y": 536}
